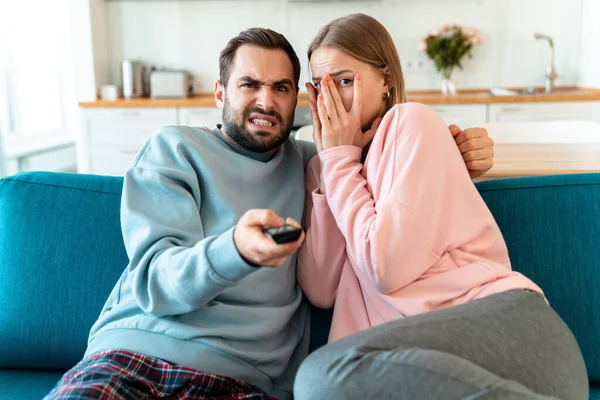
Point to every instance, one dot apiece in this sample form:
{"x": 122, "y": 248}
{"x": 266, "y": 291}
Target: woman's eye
{"x": 345, "y": 82}
{"x": 317, "y": 85}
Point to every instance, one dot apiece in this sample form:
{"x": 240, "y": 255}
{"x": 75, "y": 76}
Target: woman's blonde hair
{"x": 367, "y": 40}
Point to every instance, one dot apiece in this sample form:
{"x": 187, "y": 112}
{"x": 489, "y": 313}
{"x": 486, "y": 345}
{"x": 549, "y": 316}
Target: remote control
{"x": 284, "y": 234}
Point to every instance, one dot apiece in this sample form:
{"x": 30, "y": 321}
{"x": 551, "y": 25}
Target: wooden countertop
{"x": 467, "y": 96}
{"x": 533, "y": 159}
{"x": 529, "y": 148}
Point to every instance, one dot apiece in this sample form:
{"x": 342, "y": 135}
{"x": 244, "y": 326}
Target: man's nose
{"x": 266, "y": 99}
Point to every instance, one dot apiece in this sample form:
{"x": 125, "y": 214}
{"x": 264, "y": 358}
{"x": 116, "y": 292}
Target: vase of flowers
{"x": 447, "y": 48}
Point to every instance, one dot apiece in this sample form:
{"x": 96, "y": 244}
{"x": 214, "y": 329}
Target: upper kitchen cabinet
{"x": 551, "y": 111}
{"x": 111, "y": 137}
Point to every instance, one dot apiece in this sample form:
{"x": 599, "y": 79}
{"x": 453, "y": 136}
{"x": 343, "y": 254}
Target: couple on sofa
{"x": 396, "y": 239}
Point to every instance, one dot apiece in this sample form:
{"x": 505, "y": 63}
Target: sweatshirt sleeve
{"x": 174, "y": 267}
{"x": 322, "y": 255}
{"x": 426, "y": 202}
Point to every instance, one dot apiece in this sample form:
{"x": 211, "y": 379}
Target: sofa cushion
{"x": 27, "y": 384}
{"x": 61, "y": 252}
{"x": 551, "y": 225}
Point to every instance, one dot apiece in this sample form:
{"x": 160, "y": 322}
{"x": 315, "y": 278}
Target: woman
{"x": 400, "y": 241}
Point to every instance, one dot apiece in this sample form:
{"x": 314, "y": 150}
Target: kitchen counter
{"x": 530, "y": 148}
{"x": 535, "y": 159}
{"x": 467, "y": 96}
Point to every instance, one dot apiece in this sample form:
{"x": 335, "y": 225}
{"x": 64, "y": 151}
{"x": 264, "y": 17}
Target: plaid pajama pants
{"x": 111, "y": 375}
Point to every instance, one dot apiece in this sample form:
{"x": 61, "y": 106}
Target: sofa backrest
{"x": 61, "y": 252}
{"x": 551, "y": 226}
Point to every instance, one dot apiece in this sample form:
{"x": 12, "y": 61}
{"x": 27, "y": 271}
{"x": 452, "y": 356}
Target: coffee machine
{"x": 135, "y": 76}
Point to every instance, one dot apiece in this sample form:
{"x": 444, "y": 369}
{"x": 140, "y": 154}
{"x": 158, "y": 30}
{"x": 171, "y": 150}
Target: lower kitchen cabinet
{"x": 111, "y": 137}
{"x": 545, "y": 111}
{"x": 465, "y": 116}
{"x": 199, "y": 116}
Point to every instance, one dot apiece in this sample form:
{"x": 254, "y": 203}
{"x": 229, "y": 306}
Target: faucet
{"x": 551, "y": 74}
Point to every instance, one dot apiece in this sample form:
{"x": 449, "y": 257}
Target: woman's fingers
{"x": 357, "y": 100}
{"x": 322, "y": 112}
{"x": 337, "y": 99}
{"x": 329, "y": 103}
{"x": 316, "y": 122}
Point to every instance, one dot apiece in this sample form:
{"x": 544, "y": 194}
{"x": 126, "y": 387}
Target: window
{"x": 34, "y": 60}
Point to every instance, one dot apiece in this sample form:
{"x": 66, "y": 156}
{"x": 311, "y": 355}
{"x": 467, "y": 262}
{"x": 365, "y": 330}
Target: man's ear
{"x": 219, "y": 94}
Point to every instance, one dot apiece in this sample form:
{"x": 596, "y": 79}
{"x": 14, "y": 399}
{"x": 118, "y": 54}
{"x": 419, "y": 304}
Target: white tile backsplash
{"x": 590, "y": 44}
{"x": 190, "y": 34}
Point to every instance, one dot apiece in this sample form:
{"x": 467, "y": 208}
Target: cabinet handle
{"x": 511, "y": 109}
{"x": 129, "y": 114}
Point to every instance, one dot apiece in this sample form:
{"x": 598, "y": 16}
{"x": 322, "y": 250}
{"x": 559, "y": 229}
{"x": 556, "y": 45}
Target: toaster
{"x": 170, "y": 84}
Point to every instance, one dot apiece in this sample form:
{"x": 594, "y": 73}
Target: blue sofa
{"x": 61, "y": 252}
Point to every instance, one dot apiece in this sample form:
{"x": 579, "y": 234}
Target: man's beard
{"x": 260, "y": 141}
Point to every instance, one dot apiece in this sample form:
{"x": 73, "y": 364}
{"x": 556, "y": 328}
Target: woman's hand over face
{"x": 338, "y": 127}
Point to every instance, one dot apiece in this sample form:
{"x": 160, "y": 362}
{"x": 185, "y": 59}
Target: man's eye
{"x": 281, "y": 89}
{"x": 248, "y": 85}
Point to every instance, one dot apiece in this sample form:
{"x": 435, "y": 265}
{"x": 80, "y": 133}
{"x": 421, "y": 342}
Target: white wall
{"x": 92, "y": 36}
{"x": 590, "y": 44}
{"x": 190, "y": 34}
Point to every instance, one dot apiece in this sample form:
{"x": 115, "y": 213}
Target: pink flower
{"x": 471, "y": 32}
{"x": 423, "y": 46}
{"x": 434, "y": 32}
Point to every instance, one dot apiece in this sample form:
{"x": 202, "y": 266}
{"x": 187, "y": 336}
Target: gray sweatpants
{"x": 507, "y": 346}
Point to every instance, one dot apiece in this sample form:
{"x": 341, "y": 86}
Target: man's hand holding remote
{"x": 251, "y": 237}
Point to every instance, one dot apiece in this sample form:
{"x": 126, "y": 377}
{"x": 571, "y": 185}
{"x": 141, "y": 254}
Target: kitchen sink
{"x": 535, "y": 91}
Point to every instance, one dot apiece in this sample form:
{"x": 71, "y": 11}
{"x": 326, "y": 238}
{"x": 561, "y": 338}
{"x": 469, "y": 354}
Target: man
{"x": 208, "y": 306}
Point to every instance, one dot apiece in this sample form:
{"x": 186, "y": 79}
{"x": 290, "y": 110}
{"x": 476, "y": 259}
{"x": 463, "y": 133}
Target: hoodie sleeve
{"x": 321, "y": 257}
{"x": 174, "y": 267}
{"x": 426, "y": 201}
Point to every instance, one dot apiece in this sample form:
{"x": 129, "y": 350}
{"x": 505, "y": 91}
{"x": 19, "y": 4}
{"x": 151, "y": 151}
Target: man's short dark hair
{"x": 260, "y": 37}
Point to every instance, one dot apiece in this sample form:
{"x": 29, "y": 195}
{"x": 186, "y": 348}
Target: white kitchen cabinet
{"x": 597, "y": 111}
{"x": 111, "y": 137}
{"x": 545, "y": 111}
{"x": 200, "y": 116}
{"x": 463, "y": 115}
{"x": 567, "y": 131}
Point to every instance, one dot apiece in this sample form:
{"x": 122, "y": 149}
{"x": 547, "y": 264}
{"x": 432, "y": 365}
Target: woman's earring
{"x": 386, "y": 95}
